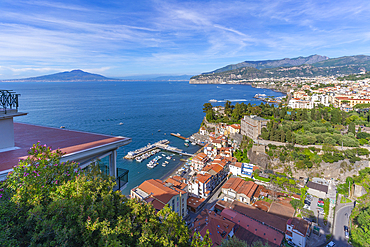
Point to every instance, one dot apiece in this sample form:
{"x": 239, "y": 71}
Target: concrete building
{"x": 82, "y": 147}
{"x": 318, "y": 190}
{"x": 241, "y": 169}
{"x": 251, "y": 126}
{"x": 159, "y": 194}
{"x": 297, "y": 231}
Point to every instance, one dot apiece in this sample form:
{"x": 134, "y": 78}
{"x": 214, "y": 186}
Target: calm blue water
{"x": 142, "y": 107}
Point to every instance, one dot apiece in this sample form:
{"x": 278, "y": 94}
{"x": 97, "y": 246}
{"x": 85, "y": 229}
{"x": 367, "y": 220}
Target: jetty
{"x": 148, "y": 148}
{"x": 179, "y": 136}
{"x": 162, "y": 144}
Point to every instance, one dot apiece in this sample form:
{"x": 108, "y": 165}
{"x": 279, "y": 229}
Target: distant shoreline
{"x": 113, "y": 80}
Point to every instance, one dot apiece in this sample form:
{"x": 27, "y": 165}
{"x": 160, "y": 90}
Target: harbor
{"x": 151, "y": 149}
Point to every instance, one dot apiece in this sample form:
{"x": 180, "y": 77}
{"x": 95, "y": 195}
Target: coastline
{"x": 173, "y": 171}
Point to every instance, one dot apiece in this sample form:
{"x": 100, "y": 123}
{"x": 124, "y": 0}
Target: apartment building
{"x": 252, "y": 125}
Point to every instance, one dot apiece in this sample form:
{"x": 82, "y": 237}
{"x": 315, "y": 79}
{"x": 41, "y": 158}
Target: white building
{"x": 297, "y": 231}
{"x": 241, "y": 169}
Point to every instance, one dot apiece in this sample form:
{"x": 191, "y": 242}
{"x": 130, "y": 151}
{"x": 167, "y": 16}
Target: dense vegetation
{"x": 48, "y": 203}
{"x": 360, "y": 230}
{"x": 355, "y": 77}
{"x": 301, "y": 126}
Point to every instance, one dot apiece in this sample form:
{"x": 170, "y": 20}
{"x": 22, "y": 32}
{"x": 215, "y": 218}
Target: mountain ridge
{"x": 263, "y": 64}
{"x": 329, "y": 67}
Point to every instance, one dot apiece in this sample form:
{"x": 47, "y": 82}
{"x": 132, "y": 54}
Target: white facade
{"x": 297, "y": 238}
{"x": 241, "y": 169}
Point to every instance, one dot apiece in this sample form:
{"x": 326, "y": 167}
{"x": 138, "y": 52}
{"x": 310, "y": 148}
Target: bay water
{"x": 146, "y": 111}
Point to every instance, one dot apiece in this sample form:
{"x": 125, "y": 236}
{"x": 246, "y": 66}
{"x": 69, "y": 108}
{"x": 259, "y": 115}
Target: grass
{"x": 344, "y": 200}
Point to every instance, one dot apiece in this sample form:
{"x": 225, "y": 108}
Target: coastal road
{"x": 342, "y": 219}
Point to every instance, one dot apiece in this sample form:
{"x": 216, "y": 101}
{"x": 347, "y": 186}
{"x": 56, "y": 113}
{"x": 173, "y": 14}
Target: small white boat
{"x": 213, "y": 100}
{"x": 163, "y": 164}
{"x": 120, "y": 123}
{"x": 193, "y": 143}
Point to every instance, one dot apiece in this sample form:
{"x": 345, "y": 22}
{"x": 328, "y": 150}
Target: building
{"x": 241, "y": 169}
{"x": 219, "y": 228}
{"x": 252, "y": 226}
{"x": 240, "y": 190}
{"x": 201, "y": 185}
{"x": 251, "y": 126}
{"x": 297, "y": 231}
{"x": 82, "y": 147}
{"x": 199, "y": 161}
{"x": 159, "y": 194}
{"x": 318, "y": 190}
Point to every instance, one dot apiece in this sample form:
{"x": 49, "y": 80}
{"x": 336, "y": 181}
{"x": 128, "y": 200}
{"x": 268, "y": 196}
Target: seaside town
{"x": 217, "y": 195}
{"x": 229, "y": 187}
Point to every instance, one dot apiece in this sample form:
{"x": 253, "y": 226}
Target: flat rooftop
{"x": 68, "y": 141}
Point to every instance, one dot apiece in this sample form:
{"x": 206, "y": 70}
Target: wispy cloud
{"x": 170, "y": 35}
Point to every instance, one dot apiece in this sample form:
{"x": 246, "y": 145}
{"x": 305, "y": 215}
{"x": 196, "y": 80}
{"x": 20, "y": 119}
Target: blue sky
{"x": 119, "y": 38}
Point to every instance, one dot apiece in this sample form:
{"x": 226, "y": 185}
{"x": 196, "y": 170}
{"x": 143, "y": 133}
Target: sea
{"x": 146, "y": 111}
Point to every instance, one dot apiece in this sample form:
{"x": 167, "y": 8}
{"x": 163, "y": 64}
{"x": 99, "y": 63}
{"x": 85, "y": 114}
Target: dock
{"x": 173, "y": 149}
{"x": 179, "y": 136}
{"x": 148, "y": 148}
{"x": 162, "y": 144}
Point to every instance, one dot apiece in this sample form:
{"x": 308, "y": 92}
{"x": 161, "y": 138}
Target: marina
{"x": 151, "y": 149}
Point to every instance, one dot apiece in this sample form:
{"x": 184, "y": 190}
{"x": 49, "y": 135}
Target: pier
{"x": 163, "y": 145}
{"x": 138, "y": 152}
{"x": 179, "y": 136}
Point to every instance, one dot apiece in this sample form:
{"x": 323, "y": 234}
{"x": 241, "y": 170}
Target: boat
{"x": 163, "y": 155}
{"x": 259, "y": 95}
{"x": 187, "y": 140}
{"x": 186, "y": 144}
{"x": 212, "y": 100}
{"x": 163, "y": 164}
{"x": 193, "y": 143}
{"x": 120, "y": 123}
{"x": 62, "y": 127}
{"x": 168, "y": 157}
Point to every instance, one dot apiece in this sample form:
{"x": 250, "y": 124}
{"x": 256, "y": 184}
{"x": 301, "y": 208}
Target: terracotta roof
{"x": 253, "y": 226}
{"x": 218, "y": 227}
{"x": 282, "y": 210}
{"x": 272, "y": 220}
{"x": 299, "y": 224}
{"x": 194, "y": 202}
{"x": 178, "y": 184}
{"x": 245, "y": 235}
{"x": 233, "y": 183}
{"x": 203, "y": 178}
{"x": 237, "y": 164}
{"x": 159, "y": 191}
{"x": 68, "y": 141}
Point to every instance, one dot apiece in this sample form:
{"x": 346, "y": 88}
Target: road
{"x": 342, "y": 219}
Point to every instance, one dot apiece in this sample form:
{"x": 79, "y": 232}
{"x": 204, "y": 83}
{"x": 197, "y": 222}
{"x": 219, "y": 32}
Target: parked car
{"x": 307, "y": 202}
{"x": 321, "y": 205}
{"x": 306, "y": 206}
{"x": 330, "y": 244}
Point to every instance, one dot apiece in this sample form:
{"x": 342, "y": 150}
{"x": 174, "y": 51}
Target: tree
{"x": 234, "y": 242}
{"x": 352, "y": 128}
{"x": 199, "y": 241}
{"x": 288, "y": 136}
{"x": 207, "y": 107}
{"x": 48, "y": 203}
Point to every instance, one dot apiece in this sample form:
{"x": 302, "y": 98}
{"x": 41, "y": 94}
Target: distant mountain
{"x": 286, "y": 62}
{"x": 74, "y": 75}
{"x": 329, "y": 67}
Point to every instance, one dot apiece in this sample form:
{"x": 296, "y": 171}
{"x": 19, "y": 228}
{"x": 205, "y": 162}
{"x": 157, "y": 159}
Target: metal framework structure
{"x": 8, "y": 99}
